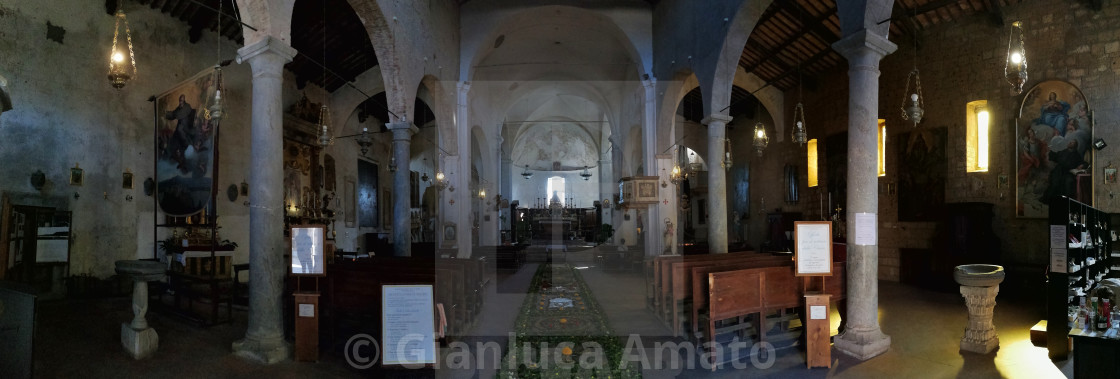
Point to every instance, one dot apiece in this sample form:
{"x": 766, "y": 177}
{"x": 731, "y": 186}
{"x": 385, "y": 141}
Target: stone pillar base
{"x": 139, "y": 343}
{"x": 267, "y": 352}
{"x": 980, "y": 347}
{"x": 862, "y": 344}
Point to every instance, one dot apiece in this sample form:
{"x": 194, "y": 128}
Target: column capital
{"x": 857, "y": 46}
{"x": 267, "y": 45}
{"x": 402, "y": 126}
{"x": 463, "y": 86}
{"x": 716, "y": 117}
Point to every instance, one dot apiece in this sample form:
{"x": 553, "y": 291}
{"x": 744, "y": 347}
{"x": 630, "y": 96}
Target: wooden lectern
{"x": 307, "y": 326}
{"x": 813, "y": 256}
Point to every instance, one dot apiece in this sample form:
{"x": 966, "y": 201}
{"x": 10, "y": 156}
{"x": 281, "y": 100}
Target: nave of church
{"x": 559, "y": 188}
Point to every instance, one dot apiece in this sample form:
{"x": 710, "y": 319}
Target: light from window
{"x": 978, "y": 130}
{"x": 812, "y": 162}
{"x": 556, "y": 186}
{"x": 882, "y": 147}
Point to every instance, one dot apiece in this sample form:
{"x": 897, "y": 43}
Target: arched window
{"x": 556, "y": 186}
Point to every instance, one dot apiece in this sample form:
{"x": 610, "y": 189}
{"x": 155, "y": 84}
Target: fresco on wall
{"x": 185, "y": 146}
{"x": 922, "y": 165}
{"x": 1053, "y": 137}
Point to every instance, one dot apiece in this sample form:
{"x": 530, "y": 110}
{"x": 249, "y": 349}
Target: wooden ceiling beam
{"x": 767, "y": 54}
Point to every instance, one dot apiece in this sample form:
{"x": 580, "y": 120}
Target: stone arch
{"x": 718, "y": 98}
{"x": 400, "y": 95}
{"x": 270, "y": 18}
{"x": 441, "y": 100}
{"x": 772, "y": 99}
{"x": 673, "y": 91}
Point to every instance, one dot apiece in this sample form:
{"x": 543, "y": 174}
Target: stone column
{"x": 862, "y": 337}
{"x": 264, "y": 339}
{"x": 717, "y": 184}
{"x": 402, "y": 189}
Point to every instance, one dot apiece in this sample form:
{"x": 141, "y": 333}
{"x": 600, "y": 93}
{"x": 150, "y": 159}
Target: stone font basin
{"x": 142, "y": 271}
{"x": 979, "y": 275}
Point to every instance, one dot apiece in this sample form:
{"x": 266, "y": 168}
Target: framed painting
{"x": 307, "y": 253}
{"x": 185, "y": 145}
{"x": 1053, "y": 143}
{"x": 77, "y": 175}
{"x": 923, "y": 162}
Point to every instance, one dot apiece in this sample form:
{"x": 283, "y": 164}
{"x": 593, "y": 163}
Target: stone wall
{"x": 961, "y": 62}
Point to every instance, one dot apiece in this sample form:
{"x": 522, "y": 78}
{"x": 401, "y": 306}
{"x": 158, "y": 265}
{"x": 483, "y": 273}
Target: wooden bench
{"x": 659, "y": 271}
{"x": 738, "y": 293}
{"x": 680, "y": 279}
{"x": 699, "y": 281}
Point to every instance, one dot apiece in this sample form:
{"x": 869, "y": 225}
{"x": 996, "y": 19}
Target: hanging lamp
{"x": 913, "y": 102}
{"x": 121, "y": 69}
{"x": 799, "y": 135}
{"x": 325, "y": 135}
{"x": 760, "y": 137}
{"x": 526, "y": 174}
{"x": 585, "y": 174}
{"x": 1015, "y": 70}
{"x": 215, "y": 112}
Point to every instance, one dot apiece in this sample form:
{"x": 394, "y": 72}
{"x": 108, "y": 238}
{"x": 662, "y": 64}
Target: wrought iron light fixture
{"x": 482, "y": 193}
{"x": 215, "y": 111}
{"x": 1016, "y": 68}
{"x": 325, "y": 135}
{"x": 799, "y": 134}
{"x": 913, "y": 101}
{"x": 121, "y": 68}
{"x": 585, "y": 174}
{"x": 912, "y": 104}
{"x": 676, "y": 176}
{"x": 760, "y": 138}
{"x": 364, "y": 141}
{"x": 325, "y": 138}
{"x": 726, "y": 154}
{"x": 526, "y": 174}
{"x": 441, "y": 181}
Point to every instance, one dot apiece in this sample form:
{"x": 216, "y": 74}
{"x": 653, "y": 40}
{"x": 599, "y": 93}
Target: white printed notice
{"x": 408, "y": 325}
{"x": 1058, "y": 261}
{"x": 866, "y": 228}
{"x": 1057, "y": 236}
{"x": 307, "y": 310}
{"x": 816, "y": 312}
{"x": 813, "y": 248}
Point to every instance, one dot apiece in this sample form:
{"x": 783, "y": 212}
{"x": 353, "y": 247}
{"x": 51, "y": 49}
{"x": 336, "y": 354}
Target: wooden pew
{"x": 737, "y": 293}
{"x": 680, "y": 274}
{"x": 661, "y": 267}
{"x": 699, "y": 281}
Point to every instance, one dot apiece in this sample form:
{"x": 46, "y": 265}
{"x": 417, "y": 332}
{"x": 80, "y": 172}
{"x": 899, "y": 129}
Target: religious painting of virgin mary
{"x": 1054, "y": 134}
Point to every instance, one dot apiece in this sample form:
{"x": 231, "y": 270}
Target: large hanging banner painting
{"x": 1053, "y": 136}
{"x": 185, "y": 146}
